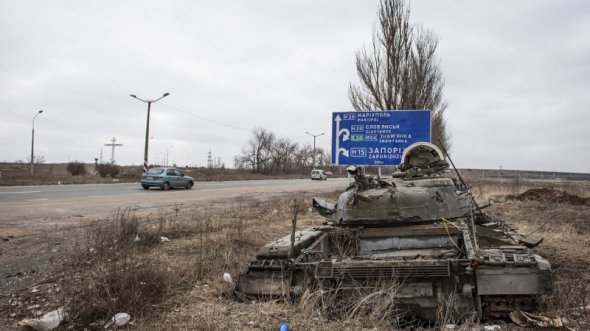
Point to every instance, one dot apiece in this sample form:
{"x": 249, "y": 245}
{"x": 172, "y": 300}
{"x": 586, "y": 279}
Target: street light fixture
{"x": 314, "y": 136}
{"x": 33, "y": 140}
{"x": 147, "y": 127}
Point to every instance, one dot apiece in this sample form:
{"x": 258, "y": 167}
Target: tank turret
{"x": 417, "y": 192}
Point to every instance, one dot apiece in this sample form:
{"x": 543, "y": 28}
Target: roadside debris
{"x": 121, "y": 319}
{"x": 227, "y": 278}
{"x": 164, "y": 239}
{"x": 523, "y": 318}
{"x": 46, "y": 322}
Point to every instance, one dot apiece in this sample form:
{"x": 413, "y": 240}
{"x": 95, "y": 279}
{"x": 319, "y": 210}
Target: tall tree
{"x": 257, "y": 153}
{"x": 400, "y": 71}
{"x": 282, "y": 153}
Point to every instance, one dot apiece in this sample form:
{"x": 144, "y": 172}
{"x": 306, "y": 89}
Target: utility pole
{"x": 209, "y": 160}
{"x": 147, "y": 127}
{"x": 314, "y": 153}
{"x": 33, "y": 141}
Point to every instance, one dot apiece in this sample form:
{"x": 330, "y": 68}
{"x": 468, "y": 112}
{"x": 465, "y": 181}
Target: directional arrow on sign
{"x": 344, "y": 151}
{"x": 345, "y": 136}
{"x": 344, "y": 132}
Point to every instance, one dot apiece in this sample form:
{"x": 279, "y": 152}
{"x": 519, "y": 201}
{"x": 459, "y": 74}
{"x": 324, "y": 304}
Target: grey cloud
{"x": 517, "y": 74}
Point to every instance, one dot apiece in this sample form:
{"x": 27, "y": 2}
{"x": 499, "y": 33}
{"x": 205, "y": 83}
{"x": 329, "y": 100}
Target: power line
{"x": 203, "y": 118}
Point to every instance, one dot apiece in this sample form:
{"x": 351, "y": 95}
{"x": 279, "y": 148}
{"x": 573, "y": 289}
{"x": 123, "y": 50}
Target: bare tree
{"x": 400, "y": 71}
{"x": 257, "y": 154}
{"x": 323, "y": 158}
{"x": 282, "y": 155}
{"x": 246, "y": 159}
{"x": 302, "y": 158}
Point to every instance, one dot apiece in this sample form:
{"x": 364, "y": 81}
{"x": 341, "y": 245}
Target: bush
{"x": 76, "y": 168}
{"x": 114, "y": 170}
{"x": 101, "y": 168}
{"x": 105, "y": 169}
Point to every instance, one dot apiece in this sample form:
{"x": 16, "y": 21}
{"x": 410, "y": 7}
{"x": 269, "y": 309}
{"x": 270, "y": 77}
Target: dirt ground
{"x": 67, "y": 266}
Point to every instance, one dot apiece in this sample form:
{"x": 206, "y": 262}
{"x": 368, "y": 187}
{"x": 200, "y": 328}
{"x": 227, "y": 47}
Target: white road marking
{"x": 96, "y": 196}
{"x": 21, "y": 192}
{"x": 42, "y": 199}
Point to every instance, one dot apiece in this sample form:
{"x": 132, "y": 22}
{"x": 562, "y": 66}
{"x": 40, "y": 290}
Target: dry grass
{"x": 377, "y": 302}
{"x": 128, "y": 264}
{"x": 565, "y": 228}
{"x": 497, "y": 188}
{"x": 178, "y": 284}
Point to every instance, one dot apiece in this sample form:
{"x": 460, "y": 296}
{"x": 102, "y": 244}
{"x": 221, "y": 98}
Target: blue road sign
{"x": 377, "y": 137}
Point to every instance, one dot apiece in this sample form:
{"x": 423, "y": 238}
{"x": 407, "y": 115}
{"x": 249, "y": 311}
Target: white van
{"x": 318, "y": 174}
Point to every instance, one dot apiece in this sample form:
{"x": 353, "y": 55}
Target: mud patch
{"x": 551, "y": 196}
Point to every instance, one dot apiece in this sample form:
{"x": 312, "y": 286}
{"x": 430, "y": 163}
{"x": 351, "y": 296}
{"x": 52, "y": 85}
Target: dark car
{"x": 166, "y": 178}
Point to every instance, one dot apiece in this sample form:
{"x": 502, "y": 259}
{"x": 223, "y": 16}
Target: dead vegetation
{"x": 166, "y": 268}
{"x": 548, "y": 195}
{"x": 558, "y": 212}
{"x": 141, "y": 265}
{"x": 498, "y": 189}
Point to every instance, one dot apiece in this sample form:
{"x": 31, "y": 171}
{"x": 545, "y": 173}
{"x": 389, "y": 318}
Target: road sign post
{"x": 377, "y": 138}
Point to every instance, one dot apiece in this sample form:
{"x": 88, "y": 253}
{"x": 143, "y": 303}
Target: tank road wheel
{"x": 166, "y": 186}
{"x": 145, "y": 187}
{"x": 189, "y": 185}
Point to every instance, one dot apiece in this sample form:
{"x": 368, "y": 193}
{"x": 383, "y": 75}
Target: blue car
{"x": 166, "y": 178}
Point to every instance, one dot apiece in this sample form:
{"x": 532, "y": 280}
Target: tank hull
{"x": 420, "y": 234}
{"x": 435, "y": 266}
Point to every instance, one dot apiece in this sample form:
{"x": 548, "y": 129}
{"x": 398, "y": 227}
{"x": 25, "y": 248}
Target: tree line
{"x": 265, "y": 153}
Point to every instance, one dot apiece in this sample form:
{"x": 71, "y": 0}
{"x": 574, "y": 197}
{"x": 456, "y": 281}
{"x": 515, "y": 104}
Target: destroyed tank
{"x": 420, "y": 228}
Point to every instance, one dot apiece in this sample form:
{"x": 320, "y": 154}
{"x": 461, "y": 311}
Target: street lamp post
{"x": 33, "y": 140}
{"x": 314, "y": 136}
{"x": 155, "y": 156}
{"x": 147, "y": 127}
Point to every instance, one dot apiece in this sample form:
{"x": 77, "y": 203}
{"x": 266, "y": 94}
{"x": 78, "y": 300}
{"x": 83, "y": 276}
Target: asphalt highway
{"x": 36, "y": 207}
{"x": 49, "y": 192}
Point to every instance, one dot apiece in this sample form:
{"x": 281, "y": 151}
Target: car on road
{"x": 166, "y": 178}
{"x": 318, "y": 174}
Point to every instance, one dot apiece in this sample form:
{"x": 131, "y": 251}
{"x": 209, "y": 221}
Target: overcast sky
{"x": 517, "y": 77}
